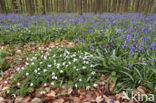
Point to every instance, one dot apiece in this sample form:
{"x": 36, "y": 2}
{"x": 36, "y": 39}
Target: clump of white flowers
{"x": 55, "y": 66}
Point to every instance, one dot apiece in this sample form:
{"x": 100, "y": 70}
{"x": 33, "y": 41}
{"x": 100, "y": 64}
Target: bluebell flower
{"x": 90, "y": 42}
{"x": 99, "y": 34}
{"x": 152, "y": 45}
{"x": 91, "y": 47}
{"x": 130, "y": 66}
{"x": 143, "y": 39}
{"x": 82, "y": 40}
{"x": 132, "y": 52}
{"x": 76, "y": 40}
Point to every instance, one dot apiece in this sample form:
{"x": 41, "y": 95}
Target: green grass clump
{"x": 3, "y": 63}
{"x": 125, "y": 72}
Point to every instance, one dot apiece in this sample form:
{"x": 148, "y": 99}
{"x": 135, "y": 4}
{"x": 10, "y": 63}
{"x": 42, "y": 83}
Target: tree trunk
{"x": 137, "y": 5}
{"x": 21, "y": 5}
{"x": 63, "y": 6}
{"x": 124, "y": 6}
{"x": 101, "y": 6}
{"x": 3, "y": 6}
{"x": 29, "y": 7}
{"x": 43, "y": 7}
{"x": 36, "y": 6}
{"x": 79, "y": 7}
{"x": 146, "y": 10}
{"x": 14, "y": 6}
{"x": 47, "y": 5}
{"x": 151, "y": 5}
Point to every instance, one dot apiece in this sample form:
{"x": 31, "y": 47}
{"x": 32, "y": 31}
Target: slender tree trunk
{"x": 14, "y": 6}
{"x": 146, "y": 10}
{"x": 151, "y": 5}
{"x": 114, "y": 5}
{"x": 101, "y": 6}
{"x": 47, "y": 5}
{"x": 90, "y": 6}
{"x": 29, "y": 7}
{"x": 3, "y": 6}
{"x": 33, "y": 6}
{"x": 43, "y": 8}
{"x": 95, "y": 8}
{"x": 79, "y": 7}
{"x": 124, "y": 6}
{"x": 36, "y": 6}
{"x": 21, "y": 5}
{"x": 137, "y": 5}
{"x": 63, "y": 6}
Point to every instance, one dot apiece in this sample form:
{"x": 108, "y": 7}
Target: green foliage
{"x": 57, "y": 66}
{"x": 124, "y": 75}
{"x": 3, "y": 63}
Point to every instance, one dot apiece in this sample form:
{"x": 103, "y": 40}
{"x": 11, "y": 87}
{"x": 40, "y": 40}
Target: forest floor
{"x": 98, "y": 94}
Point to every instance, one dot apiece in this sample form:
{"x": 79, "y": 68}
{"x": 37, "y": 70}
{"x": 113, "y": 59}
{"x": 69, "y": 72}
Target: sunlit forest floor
{"x": 70, "y": 58}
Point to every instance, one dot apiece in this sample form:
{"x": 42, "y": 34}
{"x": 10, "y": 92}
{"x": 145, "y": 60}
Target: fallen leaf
{"x": 18, "y": 99}
{"x": 18, "y": 52}
{"x": 5, "y": 88}
{"x": 76, "y": 100}
{"x": 117, "y": 102}
{"x": 51, "y": 94}
{"x": 47, "y": 89}
{"x": 38, "y": 94}
{"x": 1, "y": 99}
{"x": 99, "y": 99}
{"x": 131, "y": 101}
{"x": 26, "y": 99}
{"x": 107, "y": 99}
{"x": 36, "y": 100}
{"x": 141, "y": 89}
{"x": 119, "y": 96}
{"x": 61, "y": 100}
{"x": 70, "y": 91}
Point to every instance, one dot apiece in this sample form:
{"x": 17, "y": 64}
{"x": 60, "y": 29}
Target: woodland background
{"x": 32, "y": 7}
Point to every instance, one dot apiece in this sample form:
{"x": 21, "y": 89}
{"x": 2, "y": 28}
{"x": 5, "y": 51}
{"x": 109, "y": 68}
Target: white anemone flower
{"x": 35, "y": 71}
{"x": 54, "y": 61}
{"x": 49, "y": 66}
{"x": 53, "y": 73}
{"x": 83, "y": 67}
{"x": 22, "y": 68}
{"x": 52, "y": 83}
{"x": 26, "y": 63}
{"x": 63, "y": 63}
{"x": 42, "y": 92}
{"x": 95, "y": 85}
{"x": 18, "y": 84}
{"x": 32, "y": 63}
{"x": 61, "y": 71}
{"x": 31, "y": 84}
{"x": 18, "y": 68}
{"x": 91, "y": 66}
{"x": 93, "y": 73}
{"x": 45, "y": 70}
{"x": 88, "y": 87}
{"x": 45, "y": 84}
{"x": 55, "y": 78}
{"x": 76, "y": 85}
{"x": 38, "y": 69}
{"x": 27, "y": 74}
